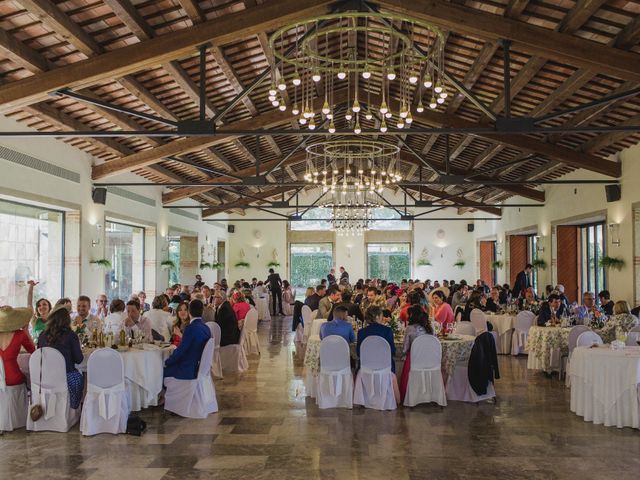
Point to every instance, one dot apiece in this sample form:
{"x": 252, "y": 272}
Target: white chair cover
{"x": 251, "y": 345}
{"x": 307, "y": 319}
{"x": 586, "y": 339}
{"x": 335, "y": 382}
{"x": 233, "y": 358}
{"x": 299, "y": 336}
{"x": 573, "y": 336}
{"x": 465, "y": 328}
{"x": 314, "y": 314}
{"x": 216, "y": 334}
{"x": 478, "y": 320}
{"x": 106, "y": 405}
{"x": 13, "y": 404}
{"x": 524, "y": 322}
{"x": 53, "y": 394}
{"x": 635, "y": 329}
{"x": 632, "y": 338}
{"x": 425, "y": 377}
{"x": 193, "y": 398}
{"x": 317, "y": 323}
{"x": 374, "y": 382}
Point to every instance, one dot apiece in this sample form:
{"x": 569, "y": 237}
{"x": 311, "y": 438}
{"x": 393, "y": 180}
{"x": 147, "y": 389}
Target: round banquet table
{"x": 605, "y": 385}
{"x": 546, "y": 346}
{"x": 456, "y": 349}
{"x": 503, "y": 325}
{"x": 143, "y": 372}
{"x": 262, "y": 305}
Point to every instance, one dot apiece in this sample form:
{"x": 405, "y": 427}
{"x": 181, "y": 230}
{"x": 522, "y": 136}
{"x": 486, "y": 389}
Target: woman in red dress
{"x": 14, "y": 336}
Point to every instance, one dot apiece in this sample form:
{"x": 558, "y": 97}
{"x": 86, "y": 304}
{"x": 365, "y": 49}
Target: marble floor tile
{"x": 268, "y": 429}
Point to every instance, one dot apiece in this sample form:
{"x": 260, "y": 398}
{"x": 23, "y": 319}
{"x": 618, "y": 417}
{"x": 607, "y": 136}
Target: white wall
{"x": 566, "y": 203}
{"x": 21, "y": 182}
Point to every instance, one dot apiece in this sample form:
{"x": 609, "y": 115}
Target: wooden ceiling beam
{"x": 529, "y": 38}
{"x": 243, "y": 202}
{"x": 232, "y": 78}
{"x": 192, "y": 8}
{"x": 604, "y": 140}
{"x": 158, "y": 50}
{"x": 21, "y": 54}
{"x": 630, "y": 34}
{"x": 486, "y": 156}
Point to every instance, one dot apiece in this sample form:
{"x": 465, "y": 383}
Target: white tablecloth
{"x": 143, "y": 371}
{"x": 605, "y": 385}
{"x": 503, "y": 325}
{"x": 262, "y": 305}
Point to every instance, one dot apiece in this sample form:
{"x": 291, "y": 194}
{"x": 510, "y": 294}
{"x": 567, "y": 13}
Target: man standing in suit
{"x": 523, "y": 281}
{"x": 184, "y": 361}
{"x": 275, "y": 285}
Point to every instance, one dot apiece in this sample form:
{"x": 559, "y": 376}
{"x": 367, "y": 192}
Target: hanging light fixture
{"x": 351, "y": 209}
{"x": 319, "y": 60}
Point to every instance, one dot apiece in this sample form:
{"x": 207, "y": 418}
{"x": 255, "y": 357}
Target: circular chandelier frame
{"x": 368, "y": 149}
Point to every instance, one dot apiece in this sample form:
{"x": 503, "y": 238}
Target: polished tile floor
{"x": 267, "y": 429}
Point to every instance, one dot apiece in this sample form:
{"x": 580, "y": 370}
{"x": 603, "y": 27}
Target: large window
{"x": 124, "y": 247}
{"x": 592, "y": 246}
{"x": 310, "y": 263}
{"x": 31, "y": 247}
{"x": 532, "y": 253}
{"x": 388, "y": 219}
{"x": 384, "y": 219}
{"x": 310, "y": 220}
{"x": 389, "y": 261}
{"x": 174, "y": 256}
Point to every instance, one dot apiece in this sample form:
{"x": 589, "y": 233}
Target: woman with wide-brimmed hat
{"x": 14, "y": 335}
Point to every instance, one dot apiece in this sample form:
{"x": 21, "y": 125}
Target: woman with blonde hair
{"x": 181, "y": 321}
{"x": 240, "y": 307}
{"x": 619, "y": 323}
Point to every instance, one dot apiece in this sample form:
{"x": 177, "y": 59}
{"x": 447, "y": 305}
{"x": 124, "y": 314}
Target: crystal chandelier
{"x": 360, "y": 52}
{"x": 353, "y": 164}
{"x": 351, "y": 210}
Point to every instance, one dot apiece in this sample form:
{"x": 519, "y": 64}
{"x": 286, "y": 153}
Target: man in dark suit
{"x": 184, "y": 361}
{"x": 522, "y": 281}
{"x": 275, "y": 285}
{"x": 313, "y": 301}
{"x": 552, "y": 308}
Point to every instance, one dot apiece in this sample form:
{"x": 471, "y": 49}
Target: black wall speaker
{"x": 613, "y": 192}
{"x": 470, "y": 227}
{"x": 99, "y": 195}
{"x": 231, "y": 228}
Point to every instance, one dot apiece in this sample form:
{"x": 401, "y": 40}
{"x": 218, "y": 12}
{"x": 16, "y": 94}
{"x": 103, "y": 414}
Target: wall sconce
{"x": 539, "y": 248}
{"x": 498, "y": 248}
{"x": 96, "y": 241}
{"x": 614, "y": 233}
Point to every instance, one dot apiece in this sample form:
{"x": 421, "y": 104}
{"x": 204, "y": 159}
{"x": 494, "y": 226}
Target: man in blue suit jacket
{"x": 184, "y": 361}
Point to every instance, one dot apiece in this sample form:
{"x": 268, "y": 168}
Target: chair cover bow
{"x": 107, "y": 397}
{"x": 335, "y": 379}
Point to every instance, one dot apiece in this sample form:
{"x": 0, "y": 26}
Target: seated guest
{"x": 372, "y": 298}
{"x": 353, "y": 310}
{"x": 413, "y": 298}
{"x": 144, "y": 306}
{"x": 248, "y": 296}
{"x": 181, "y": 321}
{"x": 419, "y": 324}
{"x": 184, "y": 361}
{"x": 605, "y": 302}
{"x": 476, "y": 300}
{"x": 326, "y": 304}
{"x": 59, "y": 335}
{"x": 114, "y": 321}
{"x": 373, "y": 318}
{"x": 493, "y": 302}
{"x": 548, "y": 290}
{"x": 313, "y": 301}
{"x": 39, "y": 320}
{"x": 529, "y": 301}
{"x": 588, "y": 310}
{"x": 441, "y": 310}
{"x": 563, "y": 298}
{"x": 460, "y": 296}
{"x": 552, "y": 309}
{"x": 505, "y": 294}
{"x": 636, "y": 311}
{"x": 240, "y": 307}
{"x": 134, "y": 322}
{"x": 339, "y": 325}
{"x": 84, "y": 322}
{"x": 14, "y": 336}
{"x": 101, "y": 309}
{"x": 391, "y": 296}
{"x": 185, "y": 294}
{"x": 226, "y": 319}
{"x": 619, "y": 323}
{"x": 159, "y": 318}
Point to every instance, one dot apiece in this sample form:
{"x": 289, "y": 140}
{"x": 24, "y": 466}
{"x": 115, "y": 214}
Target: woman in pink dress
{"x": 240, "y": 307}
{"x": 442, "y": 311}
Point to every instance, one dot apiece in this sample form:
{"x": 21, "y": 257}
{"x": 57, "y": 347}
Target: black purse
{"x": 136, "y": 426}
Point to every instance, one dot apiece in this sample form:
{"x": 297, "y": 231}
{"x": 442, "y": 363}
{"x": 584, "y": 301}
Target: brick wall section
{"x": 486, "y": 259}
{"x": 518, "y": 256}
{"x": 567, "y": 236}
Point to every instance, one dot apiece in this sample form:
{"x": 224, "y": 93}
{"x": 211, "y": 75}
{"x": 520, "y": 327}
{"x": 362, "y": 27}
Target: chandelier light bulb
{"x": 383, "y": 126}
{"x": 356, "y": 106}
{"x": 428, "y": 83}
{"x": 440, "y": 100}
{"x": 400, "y": 124}
{"x": 296, "y": 79}
{"x": 325, "y": 108}
{"x": 409, "y": 118}
{"x": 335, "y": 171}
{"x": 438, "y": 88}
{"x": 368, "y": 115}
{"x": 312, "y": 124}
{"x": 272, "y": 98}
{"x": 413, "y": 79}
{"x": 348, "y": 171}
{"x": 373, "y": 172}
{"x": 420, "y": 107}
{"x": 295, "y": 110}
{"x": 275, "y": 103}
{"x": 444, "y": 94}
{"x": 366, "y": 74}
{"x": 302, "y": 120}
{"x": 332, "y": 129}
{"x": 384, "y": 108}
{"x": 342, "y": 74}
{"x": 391, "y": 74}
{"x": 403, "y": 111}
{"x": 388, "y": 115}
{"x": 432, "y": 103}
{"x": 281, "y": 85}
{"x": 357, "y": 130}
{"x": 272, "y": 90}
{"x": 316, "y": 76}
{"x": 360, "y": 171}
{"x": 282, "y": 107}
{"x": 325, "y": 189}
{"x": 348, "y": 116}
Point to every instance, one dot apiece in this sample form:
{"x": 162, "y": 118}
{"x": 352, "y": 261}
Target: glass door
{"x": 310, "y": 263}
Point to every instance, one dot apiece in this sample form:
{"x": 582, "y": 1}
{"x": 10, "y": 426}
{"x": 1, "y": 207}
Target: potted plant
{"x": 539, "y": 263}
{"x": 273, "y": 263}
{"x": 168, "y": 265}
{"x": 423, "y": 262}
{"x": 102, "y": 263}
{"x": 217, "y": 266}
{"x": 204, "y": 265}
{"x": 497, "y": 264}
{"x": 460, "y": 264}
{"x": 611, "y": 262}
{"x": 242, "y": 264}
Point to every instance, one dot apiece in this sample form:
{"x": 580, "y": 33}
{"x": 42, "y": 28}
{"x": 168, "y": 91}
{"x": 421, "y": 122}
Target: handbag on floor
{"x": 136, "y": 426}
